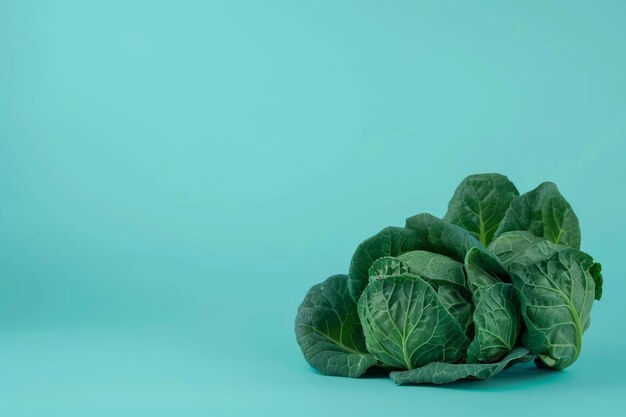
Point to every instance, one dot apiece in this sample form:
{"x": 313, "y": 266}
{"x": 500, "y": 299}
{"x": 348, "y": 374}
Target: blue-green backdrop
{"x": 174, "y": 175}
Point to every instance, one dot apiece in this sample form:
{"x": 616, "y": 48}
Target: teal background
{"x": 175, "y": 175}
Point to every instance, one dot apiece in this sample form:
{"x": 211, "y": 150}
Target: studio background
{"x": 175, "y": 175}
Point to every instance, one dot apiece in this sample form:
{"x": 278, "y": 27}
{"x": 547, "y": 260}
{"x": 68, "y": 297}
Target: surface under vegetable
{"x": 500, "y": 279}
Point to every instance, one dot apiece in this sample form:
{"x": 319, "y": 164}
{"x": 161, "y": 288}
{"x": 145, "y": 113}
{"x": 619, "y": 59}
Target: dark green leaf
{"x": 545, "y": 213}
{"x": 496, "y": 323}
{"x": 595, "y": 270}
{"x": 387, "y": 266}
{"x": 442, "y": 237}
{"x": 456, "y": 303}
{"x": 329, "y": 331}
{"x": 443, "y": 373}
{"x": 509, "y": 244}
{"x": 444, "y": 274}
{"x": 435, "y": 267}
{"x": 557, "y": 291}
{"x": 479, "y": 204}
{"x": 596, "y": 274}
{"x": 483, "y": 271}
{"x": 405, "y": 324}
{"x": 391, "y": 241}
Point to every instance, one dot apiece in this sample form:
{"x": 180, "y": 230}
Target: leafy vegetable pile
{"x": 500, "y": 279}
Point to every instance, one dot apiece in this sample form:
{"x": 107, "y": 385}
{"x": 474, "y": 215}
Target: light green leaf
{"x": 405, "y": 324}
{"x": 391, "y": 241}
{"x": 557, "y": 291}
{"x": 444, "y": 373}
{"x": 509, "y": 244}
{"x": 545, "y": 213}
{"x": 496, "y": 324}
{"x": 329, "y": 331}
{"x": 479, "y": 204}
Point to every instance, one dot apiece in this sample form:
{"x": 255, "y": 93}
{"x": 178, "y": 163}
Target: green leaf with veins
{"x": 423, "y": 232}
{"x": 435, "y": 267}
{"x": 442, "y": 276}
{"x": 545, "y": 213}
{"x": 557, "y": 291}
{"x": 406, "y": 325}
{"x": 444, "y": 373}
{"x": 496, "y": 316}
{"x": 456, "y": 304}
{"x": 560, "y": 224}
{"x": 438, "y": 292}
{"x": 483, "y": 270}
{"x": 329, "y": 331}
{"x": 442, "y": 237}
{"x": 387, "y": 266}
{"x": 391, "y": 241}
{"x": 479, "y": 203}
{"x": 510, "y": 244}
{"x": 496, "y": 324}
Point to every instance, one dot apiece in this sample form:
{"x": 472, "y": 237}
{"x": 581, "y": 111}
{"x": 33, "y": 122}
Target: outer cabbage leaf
{"x": 444, "y": 274}
{"x": 557, "y": 291}
{"x": 496, "y": 324}
{"x": 391, "y": 241}
{"x": 423, "y": 232}
{"x": 454, "y": 301}
{"x": 442, "y": 237}
{"x": 510, "y": 244}
{"x": 596, "y": 273}
{"x": 545, "y": 213}
{"x": 443, "y": 373}
{"x": 329, "y": 331}
{"x": 483, "y": 270}
{"x": 435, "y": 267}
{"x": 387, "y": 266}
{"x": 406, "y": 325}
{"x": 479, "y": 204}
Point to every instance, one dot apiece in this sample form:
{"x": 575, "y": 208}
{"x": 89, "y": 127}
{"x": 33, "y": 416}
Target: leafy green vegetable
{"x": 441, "y": 237}
{"x": 483, "y": 271}
{"x": 545, "y": 213}
{"x": 435, "y": 267}
{"x": 329, "y": 331}
{"x": 390, "y": 241}
{"x": 496, "y": 316}
{"x": 422, "y": 232}
{"x": 387, "y": 266}
{"x": 510, "y": 244}
{"x": 557, "y": 291}
{"x": 444, "y": 373}
{"x": 444, "y": 275}
{"x": 457, "y": 304}
{"x": 405, "y": 324}
{"x": 596, "y": 273}
{"x": 496, "y": 323}
{"x": 479, "y": 204}
{"x": 499, "y": 280}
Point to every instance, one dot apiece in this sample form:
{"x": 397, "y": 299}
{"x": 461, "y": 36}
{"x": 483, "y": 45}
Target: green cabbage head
{"x": 499, "y": 279}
